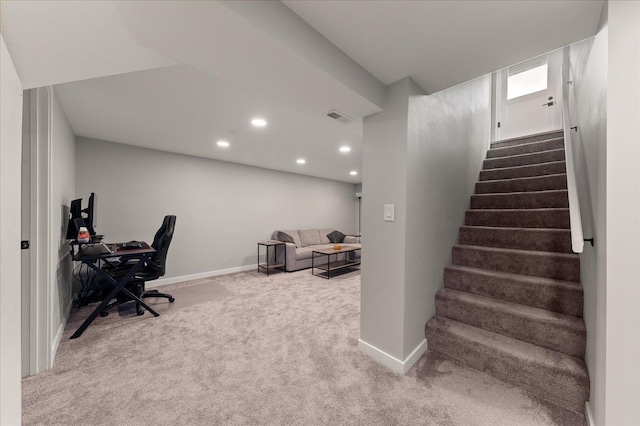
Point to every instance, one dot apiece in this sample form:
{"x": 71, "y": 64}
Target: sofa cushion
{"x": 323, "y": 235}
{"x": 336, "y": 236}
{"x": 305, "y": 252}
{"x": 295, "y": 236}
{"x": 309, "y": 237}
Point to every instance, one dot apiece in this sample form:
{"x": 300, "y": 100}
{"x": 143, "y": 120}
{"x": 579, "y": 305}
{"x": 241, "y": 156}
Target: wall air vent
{"x": 337, "y": 115}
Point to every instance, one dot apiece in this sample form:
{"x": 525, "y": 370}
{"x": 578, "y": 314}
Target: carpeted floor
{"x": 250, "y": 349}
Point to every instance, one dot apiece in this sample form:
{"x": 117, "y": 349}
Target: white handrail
{"x": 577, "y": 238}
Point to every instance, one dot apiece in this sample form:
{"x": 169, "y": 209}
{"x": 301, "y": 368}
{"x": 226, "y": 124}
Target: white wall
{"x": 588, "y": 110}
{"x": 423, "y": 154}
{"x": 449, "y": 134}
{"x": 10, "y": 160}
{"x": 62, "y": 191}
{"x": 223, "y": 209}
{"x": 384, "y": 175}
{"x": 623, "y": 216}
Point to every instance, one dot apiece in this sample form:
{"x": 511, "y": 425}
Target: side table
{"x": 267, "y": 266}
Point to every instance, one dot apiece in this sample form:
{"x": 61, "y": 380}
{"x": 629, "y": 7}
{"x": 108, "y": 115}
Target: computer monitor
{"x": 75, "y": 212}
{"x": 91, "y": 219}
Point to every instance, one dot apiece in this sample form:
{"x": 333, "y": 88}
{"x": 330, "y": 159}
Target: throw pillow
{"x": 336, "y": 237}
{"x": 284, "y": 237}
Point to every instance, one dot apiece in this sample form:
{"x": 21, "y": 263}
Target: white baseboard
{"x": 391, "y": 362}
{"x": 588, "y": 414}
{"x": 191, "y": 277}
{"x": 58, "y": 337}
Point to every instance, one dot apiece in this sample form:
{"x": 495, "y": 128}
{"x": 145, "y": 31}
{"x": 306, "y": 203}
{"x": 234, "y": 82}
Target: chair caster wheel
{"x": 140, "y": 312}
{"x": 104, "y": 314}
{"x": 172, "y": 299}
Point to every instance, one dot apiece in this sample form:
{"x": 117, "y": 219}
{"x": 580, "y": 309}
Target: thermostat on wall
{"x": 389, "y": 213}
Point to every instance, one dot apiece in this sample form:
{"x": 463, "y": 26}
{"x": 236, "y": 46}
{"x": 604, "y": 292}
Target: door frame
{"x": 500, "y": 102}
{"x": 36, "y": 286}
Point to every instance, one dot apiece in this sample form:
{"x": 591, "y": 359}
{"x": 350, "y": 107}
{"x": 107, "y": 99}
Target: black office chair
{"x": 153, "y": 269}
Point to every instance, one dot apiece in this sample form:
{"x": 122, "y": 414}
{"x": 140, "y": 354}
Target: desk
{"x": 92, "y": 260}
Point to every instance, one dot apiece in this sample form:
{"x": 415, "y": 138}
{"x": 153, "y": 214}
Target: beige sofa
{"x": 305, "y": 242}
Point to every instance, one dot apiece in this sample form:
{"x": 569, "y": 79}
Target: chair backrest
{"x": 161, "y": 242}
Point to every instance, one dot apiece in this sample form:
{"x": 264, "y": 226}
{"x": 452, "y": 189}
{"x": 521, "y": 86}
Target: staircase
{"x": 511, "y": 305}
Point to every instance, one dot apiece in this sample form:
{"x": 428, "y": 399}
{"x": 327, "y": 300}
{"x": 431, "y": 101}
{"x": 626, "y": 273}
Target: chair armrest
{"x": 351, "y": 239}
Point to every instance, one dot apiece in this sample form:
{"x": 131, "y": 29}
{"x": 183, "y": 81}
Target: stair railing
{"x": 577, "y": 238}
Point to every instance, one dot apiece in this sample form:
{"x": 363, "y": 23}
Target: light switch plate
{"x": 389, "y": 213}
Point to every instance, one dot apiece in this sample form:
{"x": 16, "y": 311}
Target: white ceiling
{"x": 443, "y": 43}
{"x": 178, "y": 76}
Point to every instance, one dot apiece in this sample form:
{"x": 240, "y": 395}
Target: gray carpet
{"x": 250, "y": 349}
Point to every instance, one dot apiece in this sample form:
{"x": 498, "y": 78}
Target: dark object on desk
{"x": 89, "y": 220}
{"x": 153, "y": 268}
{"x": 75, "y": 213}
{"x": 131, "y": 245}
{"x": 95, "y": 249}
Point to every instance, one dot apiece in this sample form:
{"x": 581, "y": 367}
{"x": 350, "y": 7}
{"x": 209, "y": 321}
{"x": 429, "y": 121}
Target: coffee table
{"x": 349, "y": 261}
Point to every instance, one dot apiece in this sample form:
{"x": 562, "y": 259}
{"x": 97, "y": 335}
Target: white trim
{"x": 391, "y": 362}
{"x": 575, "y": 218}
{"x": 173, "y": 280}
{"x": 588, "y": 414}
{"x": 58, "y": 337}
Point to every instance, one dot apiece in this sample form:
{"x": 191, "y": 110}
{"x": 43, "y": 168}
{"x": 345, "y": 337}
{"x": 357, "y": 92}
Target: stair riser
{"x": 561, "y": 297}
{"x": 539, "y": 264}
{"x": 523, "y": 200}
{"x": 526, "y": 148}
{"x": 519, "y": 218}
{"x": 568, "y": 338}
{"x": 530, "y": 184}
{"x": 554, "y": 240}
{"x": 553, "y": 385}
{"x": 527, "y": 139}
{"x": 523, "y": 160}
{"x": 524, "y": 171}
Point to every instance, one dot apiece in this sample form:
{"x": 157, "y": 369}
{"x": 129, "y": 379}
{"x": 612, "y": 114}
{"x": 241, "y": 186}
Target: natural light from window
{"x": 529, "y": 81}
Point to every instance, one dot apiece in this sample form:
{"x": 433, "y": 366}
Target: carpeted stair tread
{"x": 530, "y": 170}
{"x": 521, "y": 200}
{"x": 552, "y": 375}
{"x": 539, "y": 239}
{"x": 554, "y": 134}
{"x": 524, "y": 159}
{"x": 527, "y": 148}
{"x": 552, "y": 330}
{"x": 560, "y": 266}
{"x": 525, "y": 184}
{"x": 519, "y": 218}
{"x": 565, "y": 297}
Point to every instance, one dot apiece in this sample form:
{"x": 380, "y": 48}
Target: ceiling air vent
{"x": 337, "y": 115}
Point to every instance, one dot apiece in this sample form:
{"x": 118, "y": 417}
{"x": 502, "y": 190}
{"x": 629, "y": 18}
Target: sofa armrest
{"x": 290, "y": 253}
{"x": 351, "y": 239}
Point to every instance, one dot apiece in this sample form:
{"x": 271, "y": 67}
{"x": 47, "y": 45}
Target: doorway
{"x": 528, "y": 97}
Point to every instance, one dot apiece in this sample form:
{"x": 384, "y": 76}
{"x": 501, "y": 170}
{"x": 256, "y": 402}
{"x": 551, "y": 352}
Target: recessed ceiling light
{"x": 345, "y": 149}
{"x": 301, "y": 161}
{"x": 259, "y": 122}
{"x": 223, "y": 144}
{"x": 353, "y": 173}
